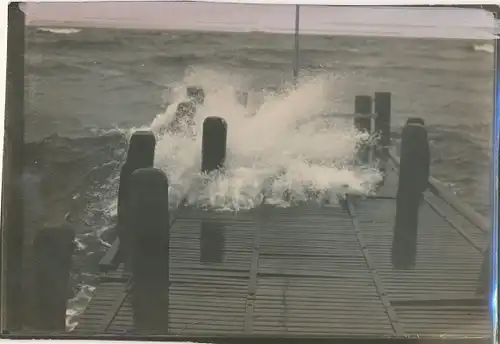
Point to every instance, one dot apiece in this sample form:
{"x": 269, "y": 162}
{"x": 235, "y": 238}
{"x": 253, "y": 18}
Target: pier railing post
{"x": 363, "y": 106}
{"x": 150, "y": 229}
{"x": 382, "y": 102}
{"x": 53, "y": 252}
{"x": 413, "y": 181}
{"x": 213, "y": 152}
{"x": 140, "y": 154}
{"x": 214, "y": 142}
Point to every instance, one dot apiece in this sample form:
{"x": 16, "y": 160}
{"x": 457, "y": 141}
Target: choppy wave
{"x": 269, "y": 153}
{"x": 204, "y": 48}
{"x": 179, "y": 59}
{"x": 84, "y": 44}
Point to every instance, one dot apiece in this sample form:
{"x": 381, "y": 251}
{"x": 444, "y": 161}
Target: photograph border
{"x": 12, "y": 241}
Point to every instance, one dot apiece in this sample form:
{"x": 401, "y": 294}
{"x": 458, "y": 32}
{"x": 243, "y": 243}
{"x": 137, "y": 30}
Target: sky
{"x": 415, "y": 22}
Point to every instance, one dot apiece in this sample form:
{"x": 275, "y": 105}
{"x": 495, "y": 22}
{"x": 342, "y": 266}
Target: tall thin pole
{"x": 296, "y": 56}
{"x": 12, "y": 206}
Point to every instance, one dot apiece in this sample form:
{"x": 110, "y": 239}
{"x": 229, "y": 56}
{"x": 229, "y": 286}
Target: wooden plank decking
{"x": 313, "y": 271}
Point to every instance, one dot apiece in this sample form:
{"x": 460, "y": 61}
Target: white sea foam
{"x": 268, "y": 153}
{"x": 485, "y": 48}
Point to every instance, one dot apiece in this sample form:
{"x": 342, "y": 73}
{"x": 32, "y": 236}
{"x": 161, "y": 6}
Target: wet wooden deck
{"x": 314, "y": 271}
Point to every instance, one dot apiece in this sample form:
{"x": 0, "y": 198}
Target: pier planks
{"x": 313, "y": 270}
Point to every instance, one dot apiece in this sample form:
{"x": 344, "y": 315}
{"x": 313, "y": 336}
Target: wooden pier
{"x": 356, "y": 269}
{"x": 314, "y": 271}
{"x": 305, "y": 271}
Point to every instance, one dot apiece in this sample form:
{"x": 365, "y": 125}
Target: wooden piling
{"x": 53, "y": 251}
{"x": 149, "y": 233}
{"x": 413, "y": 181}
{"x": 363, "y": 106}
{"x": 214, "y": 144}
{"x": 140, "y": 154}
{"x": 382, "y": 102}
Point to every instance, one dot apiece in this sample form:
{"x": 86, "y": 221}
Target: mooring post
{"x": 362, "y": 106}
{"x": 150, "y": 228}
{"x": 213, "y": 155}
{"x": 382, "y": 102}
{"x": 362, "y": 122}
{"x": 214, "y": 142}
{"x": 53, "y": 251}
{"x": 140, "y": 154}
{"x": 413, "y": 181}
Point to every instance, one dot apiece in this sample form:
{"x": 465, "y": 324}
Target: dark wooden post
{"x": 383, "y": 120}
{"x": 214, "y": 141}
{"x": 12, "y": 207}
{"x": 413, "y": 181}
{"x": 53, "y": 252}
{"x": 149, "y": 230}
{"x": 363, "y": 106}
{"x": 141, "y": 152}
{"x": 382, "y": 102}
